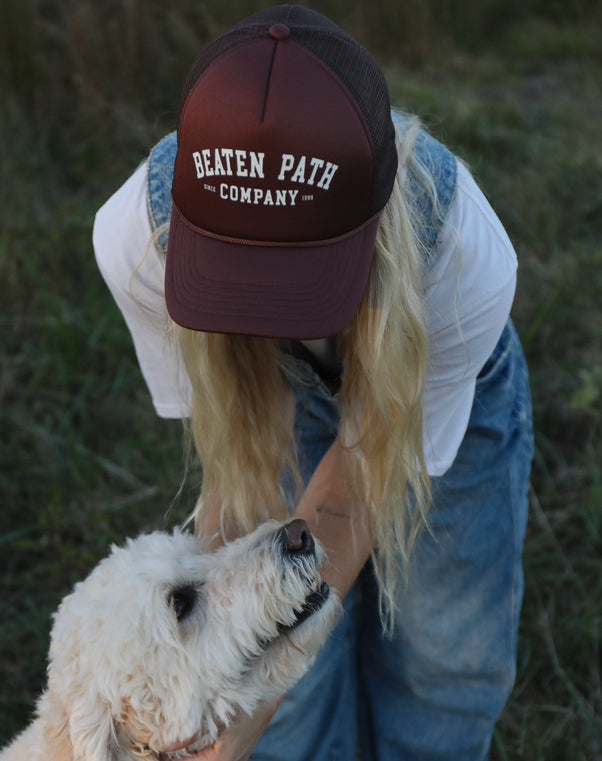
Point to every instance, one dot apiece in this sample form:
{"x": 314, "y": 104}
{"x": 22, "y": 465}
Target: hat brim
{"x": 303, "y": 291}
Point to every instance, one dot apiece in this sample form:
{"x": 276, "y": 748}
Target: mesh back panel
{"x": 354, "y": 66}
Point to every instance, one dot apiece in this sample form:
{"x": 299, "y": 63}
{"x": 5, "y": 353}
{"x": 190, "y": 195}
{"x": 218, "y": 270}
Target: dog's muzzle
{"x": 296, "y": 540}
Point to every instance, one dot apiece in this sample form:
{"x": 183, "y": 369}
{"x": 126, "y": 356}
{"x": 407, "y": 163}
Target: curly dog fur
{"x": 164, "y": 644}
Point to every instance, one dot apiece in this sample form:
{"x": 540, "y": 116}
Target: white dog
{"x": 163, "y": 644}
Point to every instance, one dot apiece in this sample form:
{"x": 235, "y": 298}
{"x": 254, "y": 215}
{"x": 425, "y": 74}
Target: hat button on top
{"x": 280, "y": 32}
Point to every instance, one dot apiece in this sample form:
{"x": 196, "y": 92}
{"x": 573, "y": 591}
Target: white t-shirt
{"x": 468, "y": 292}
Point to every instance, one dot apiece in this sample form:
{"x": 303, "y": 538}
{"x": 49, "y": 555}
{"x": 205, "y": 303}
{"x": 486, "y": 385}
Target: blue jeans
{"x": 437, "y": 687}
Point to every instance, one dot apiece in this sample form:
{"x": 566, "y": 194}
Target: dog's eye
{"x": 182, "y": 600}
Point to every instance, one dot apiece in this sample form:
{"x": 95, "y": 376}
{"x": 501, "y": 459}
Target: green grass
{"x": 514, "y": 88}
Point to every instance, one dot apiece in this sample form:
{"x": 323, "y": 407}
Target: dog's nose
{"x": 297, "y": 538}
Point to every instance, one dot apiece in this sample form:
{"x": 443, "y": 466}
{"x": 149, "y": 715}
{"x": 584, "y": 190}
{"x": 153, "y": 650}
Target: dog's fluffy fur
{"x": 163, "y": 644}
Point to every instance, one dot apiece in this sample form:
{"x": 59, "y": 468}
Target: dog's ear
{"x": 57, "y": 743}
{"x": 80, "y": 729}
{"x": 91, "y": 730}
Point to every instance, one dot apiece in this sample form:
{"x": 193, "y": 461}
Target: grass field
{"x": 515, "y": 88}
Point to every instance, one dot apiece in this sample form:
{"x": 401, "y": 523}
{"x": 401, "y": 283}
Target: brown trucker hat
{"x": 286, "y": 158}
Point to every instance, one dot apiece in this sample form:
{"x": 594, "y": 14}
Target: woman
{"x": 338, "y": 292}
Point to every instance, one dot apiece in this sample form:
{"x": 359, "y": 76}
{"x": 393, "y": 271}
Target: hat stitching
{"x": 269, "y": 81}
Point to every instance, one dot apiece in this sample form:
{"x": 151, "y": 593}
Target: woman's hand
{"x": 239, "y": 740}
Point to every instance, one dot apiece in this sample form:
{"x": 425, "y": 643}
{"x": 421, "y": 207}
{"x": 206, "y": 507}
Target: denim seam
{"x": 516, "y": 561}
{"x": 301, "y": 373}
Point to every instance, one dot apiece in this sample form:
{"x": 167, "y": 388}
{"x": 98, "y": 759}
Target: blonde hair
{"x": 244, "y": 435}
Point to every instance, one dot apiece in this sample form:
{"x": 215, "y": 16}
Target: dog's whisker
{"x": 292, "y": 644}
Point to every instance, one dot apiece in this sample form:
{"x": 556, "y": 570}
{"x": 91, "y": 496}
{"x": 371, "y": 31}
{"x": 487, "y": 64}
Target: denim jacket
{"x": 438, "y": 161}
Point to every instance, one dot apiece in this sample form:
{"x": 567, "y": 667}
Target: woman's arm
{"x": 336, "y": 515}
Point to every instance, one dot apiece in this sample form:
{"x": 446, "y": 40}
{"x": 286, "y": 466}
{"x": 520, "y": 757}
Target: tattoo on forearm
{"x": 323, "y": 510}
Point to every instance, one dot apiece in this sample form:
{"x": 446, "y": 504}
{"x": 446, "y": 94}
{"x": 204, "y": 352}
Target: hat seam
{"x": 269, "y": 81}
{"x": 356, "y": 108}
{"x": 273, "y": 243}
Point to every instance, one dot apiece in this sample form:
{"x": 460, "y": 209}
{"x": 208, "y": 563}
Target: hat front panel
{"x": 271, "y": 147}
